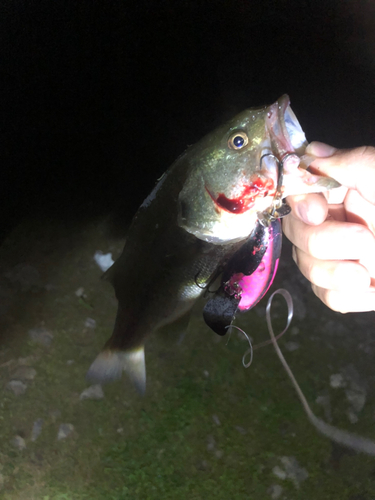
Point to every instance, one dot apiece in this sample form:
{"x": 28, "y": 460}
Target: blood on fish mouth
{"x": 258, "y": 188}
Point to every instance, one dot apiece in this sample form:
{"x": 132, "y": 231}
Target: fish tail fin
{"x": 109, "y": 365}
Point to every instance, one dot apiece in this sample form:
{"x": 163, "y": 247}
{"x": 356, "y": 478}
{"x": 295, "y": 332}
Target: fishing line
{"x": 246, "y": 365}
{"x": 340, "y": 436}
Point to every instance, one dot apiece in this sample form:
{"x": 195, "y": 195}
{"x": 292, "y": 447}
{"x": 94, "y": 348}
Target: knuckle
{"x": 363, "y": 236}
{"x": 313, "y": 245}
{"x": 338, "y": 271}
{"x": 312, "y": 272}
{"x": 366, "y": 152}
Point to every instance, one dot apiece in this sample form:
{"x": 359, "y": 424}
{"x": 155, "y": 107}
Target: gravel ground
{"x": 206, "y": 428}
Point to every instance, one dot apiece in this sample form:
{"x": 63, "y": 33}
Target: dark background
{"x": 98, "y": 98}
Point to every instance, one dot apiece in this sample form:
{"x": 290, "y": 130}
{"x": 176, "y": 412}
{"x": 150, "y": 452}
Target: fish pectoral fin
{"x": 109, "y": 365}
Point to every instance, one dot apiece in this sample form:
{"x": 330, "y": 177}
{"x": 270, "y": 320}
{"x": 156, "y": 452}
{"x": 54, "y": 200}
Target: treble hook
{"x": 275, "y": 212}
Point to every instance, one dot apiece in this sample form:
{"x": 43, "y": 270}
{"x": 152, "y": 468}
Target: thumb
{"x": 353, "y": 168}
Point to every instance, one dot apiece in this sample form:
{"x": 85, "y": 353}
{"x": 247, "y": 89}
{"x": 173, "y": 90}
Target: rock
{"x": 279, "y": 472}
{"x": 293, "y": 470}
{"x": 90, "y": 323}
{"x": 92, "y": 392}
{"x": 275, "y": 491}
{"x": 356, "y": 392}
{"x": 120, "y": 430}
{"x": 337, "y": 380}
{"x": 70, "y": 362}
{"x": 356, "y": 397}
{"x": 291, "y": 346}
{"x": 11, "y": 363}
{"x": 294, "y": 331}
{"x": 37, "y": 429}
{"x": 24, "y": 373}
{"x": 41, "y": 335}
{"x": 353, "y": 418}
{"x": 219, "y": 453}
{"x": 64, "y": 431}
{"x": 104, "y": 261}
{"x": 19, "y": 443}
{"x": 215, "y": 418}
{"x": 206, "y": 373}
{"x": 27, "y": 361}
{"x": 17, "y": 387}
{"x": 211, "y": 443}
{"x": 241, "y": 430}
{"x": 80, "y": 291}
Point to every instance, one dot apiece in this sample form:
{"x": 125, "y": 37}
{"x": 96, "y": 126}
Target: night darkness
{"x": 98, "y": 98}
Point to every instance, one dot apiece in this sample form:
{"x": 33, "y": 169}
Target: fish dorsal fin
{"x": 110, "y": 364}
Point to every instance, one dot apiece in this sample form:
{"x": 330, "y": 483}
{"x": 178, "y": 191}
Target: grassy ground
{"x": 206, "y": 429}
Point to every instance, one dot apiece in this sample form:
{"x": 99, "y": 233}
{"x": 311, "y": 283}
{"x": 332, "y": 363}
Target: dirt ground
{"x": 207, "y": 427}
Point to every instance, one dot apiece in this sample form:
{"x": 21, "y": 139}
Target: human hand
{"x": 334, "y": 234}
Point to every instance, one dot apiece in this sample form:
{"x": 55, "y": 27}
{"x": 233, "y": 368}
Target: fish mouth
{"x": 286, "y": 134}
{"x": 288, "y": 144}
{"x": 285, "y": 143}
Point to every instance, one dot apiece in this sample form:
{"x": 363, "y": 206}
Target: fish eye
{"x": 238, "y": 140}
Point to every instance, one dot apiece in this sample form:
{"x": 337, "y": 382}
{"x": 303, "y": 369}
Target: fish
{"x": 198, "y": 216}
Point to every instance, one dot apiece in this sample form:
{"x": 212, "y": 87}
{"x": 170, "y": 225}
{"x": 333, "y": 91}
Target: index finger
{"x": 353, "y": 168}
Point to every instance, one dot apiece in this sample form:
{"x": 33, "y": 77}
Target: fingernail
{"x": 320, "y": 150}
{"x": 302, "y": 211}
{"x": 306, "y": 160}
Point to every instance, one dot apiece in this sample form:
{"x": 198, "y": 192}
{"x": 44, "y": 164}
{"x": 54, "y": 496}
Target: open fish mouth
{"x": 259, "y": 159}
{"x": 284, "y": 144}
{"x": 288, "y": 144}
{"x": 286, "y": 133}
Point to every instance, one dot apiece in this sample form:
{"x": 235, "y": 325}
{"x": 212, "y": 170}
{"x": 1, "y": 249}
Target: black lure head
{"x": 220, "y": 311}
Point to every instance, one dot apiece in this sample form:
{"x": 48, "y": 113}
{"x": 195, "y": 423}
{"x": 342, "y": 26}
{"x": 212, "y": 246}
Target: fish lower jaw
{"x": 229, "y": 227}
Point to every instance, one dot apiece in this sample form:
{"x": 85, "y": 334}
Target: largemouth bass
{"x": 198, "y": 216}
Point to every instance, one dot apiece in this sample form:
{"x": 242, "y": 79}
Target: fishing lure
{"x": 249, "y": 273}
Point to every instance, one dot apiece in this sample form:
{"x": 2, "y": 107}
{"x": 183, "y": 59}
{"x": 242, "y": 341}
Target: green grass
{"x": 161, "y": 452}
